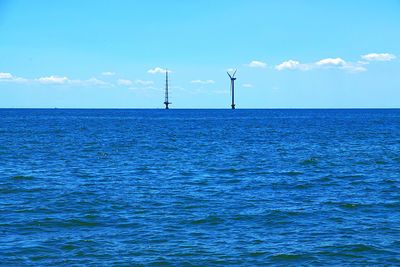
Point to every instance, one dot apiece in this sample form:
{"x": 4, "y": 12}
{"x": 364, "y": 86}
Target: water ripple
{"x": 199, "y": 187}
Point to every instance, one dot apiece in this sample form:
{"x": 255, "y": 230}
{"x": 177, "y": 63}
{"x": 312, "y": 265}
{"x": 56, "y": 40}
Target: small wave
{"x": 349, "y": 206}
{"x": 229, "y": 170}
{"x": 69, "y": 247}
{"x": 361, "y": 248}
{"x": 291, "y": 213}
{"x": 324, "y": 179}
{"x": 243, "y": 217}
{"x": 352, "y": 249}
{"x": 102, "y": 155}
{"x": 304, "y": 186}
{"x": 212, "y": 219}
{"x": 81, "y": 223}
{"x": 233, "y": 181}
{"x": 51, "y": 222}
{"x": 310, "y": 161}
{"x": 192, "y": 207}
{"x": 13, "y": 190}
{"x": 351, "y": 176}
{"x": 160, "y": 263}
{"x": 292, "y": 173}
{"x": 130, "y": 225}
{"x": 22, "y": 178}
{"x": 287, "y": 257}
{"x": 258, "y": 253}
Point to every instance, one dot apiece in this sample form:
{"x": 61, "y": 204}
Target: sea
{"x": 154, "y": 187}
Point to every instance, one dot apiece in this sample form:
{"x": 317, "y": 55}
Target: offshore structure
{"x": 232, "y": 89}
{"x": 232, "y": 77}
{"x": 166, "y": 101}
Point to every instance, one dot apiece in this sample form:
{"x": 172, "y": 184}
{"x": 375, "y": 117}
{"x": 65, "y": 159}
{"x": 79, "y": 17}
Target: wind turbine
{"x": 232, "y": 77}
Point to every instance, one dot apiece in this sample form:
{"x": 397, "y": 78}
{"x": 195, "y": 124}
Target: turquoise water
{"x": 199, "y": 187}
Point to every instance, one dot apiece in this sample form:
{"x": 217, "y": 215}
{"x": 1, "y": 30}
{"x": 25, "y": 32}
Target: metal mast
{"x": 166, "y": 102}
{"x": 232, "y": 77}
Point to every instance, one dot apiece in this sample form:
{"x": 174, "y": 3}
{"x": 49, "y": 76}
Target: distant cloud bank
{"x": 52, "y": 80}
{"x": 64, "y": 81}
{"x": 288, "y": 65}
{"x": 336, "y": 63}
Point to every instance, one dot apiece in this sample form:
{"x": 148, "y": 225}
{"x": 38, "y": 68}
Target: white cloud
{"x": 8, "y": 77}
{"x": 53, "y": 80}
{"x": 257, "y": 64}
{"x": 292, "y": 65}
{"x": 89, "y": 82}
{"x": 108, "y": 73}
{"x": 19, "y": 80}
{"x": 5, "y": 75}
{"x": 379, "y": 57}
{"x": 336, "y": 63}
{"x": 144, "y": 83}
{"x": 247, "y": 85}
{"x": 49, "y": 80}
{"x": 124, "y": 82}
{"x": 95, "y": 81}
{"x": 288, "y": 65}
{"x": 355, "y": 67}
{"x": 331, "y": 62}
{"x": 158, "y": 70}
{"x": 352, "y": 67}
{"x": 203, "y": 81}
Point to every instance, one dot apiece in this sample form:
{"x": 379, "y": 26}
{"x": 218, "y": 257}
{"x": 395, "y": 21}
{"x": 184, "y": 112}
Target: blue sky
{"x": 289, "y": 53}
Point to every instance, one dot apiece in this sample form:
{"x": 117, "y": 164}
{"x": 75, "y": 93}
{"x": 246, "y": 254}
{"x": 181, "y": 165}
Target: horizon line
{"x": 161, "y": 108}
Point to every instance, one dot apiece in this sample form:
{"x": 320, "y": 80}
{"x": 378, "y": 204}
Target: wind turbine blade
{"x": 229, "y": 75}
{"x": 234, "y": 73}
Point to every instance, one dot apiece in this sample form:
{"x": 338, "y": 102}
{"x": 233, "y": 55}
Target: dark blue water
{"x": 199, "y": 187}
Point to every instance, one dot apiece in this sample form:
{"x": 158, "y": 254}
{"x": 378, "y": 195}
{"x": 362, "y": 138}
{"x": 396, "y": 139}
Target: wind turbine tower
{"x": 232, "y": 77}
{"x": 166, "y": 102}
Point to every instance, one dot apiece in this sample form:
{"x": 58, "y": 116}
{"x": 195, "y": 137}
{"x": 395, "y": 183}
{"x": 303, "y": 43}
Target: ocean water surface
{"x": 199, "y": 187}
